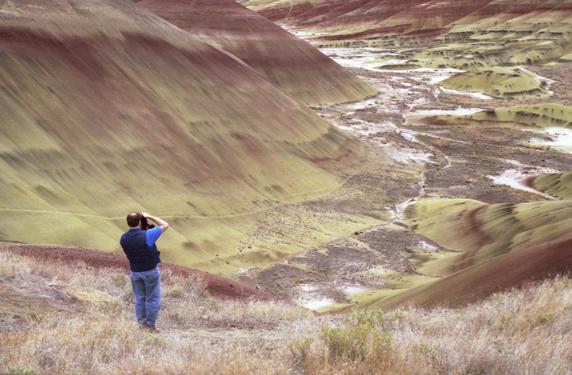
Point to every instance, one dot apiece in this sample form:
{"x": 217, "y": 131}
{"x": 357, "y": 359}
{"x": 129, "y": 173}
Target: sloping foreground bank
{"x": 80, "y": 321}
{"x": 215, "y": 285}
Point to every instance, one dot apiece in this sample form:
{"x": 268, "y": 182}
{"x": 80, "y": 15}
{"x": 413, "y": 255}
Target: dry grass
{"x": 518, "y": 332}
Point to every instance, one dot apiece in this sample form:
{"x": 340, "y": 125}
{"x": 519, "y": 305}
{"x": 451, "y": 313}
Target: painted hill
{"x": 511, "y": 270}
{"x": 501, "y": 246}
{"x": 488, "y": 248}
{"x": 366, "y": 18}
{"x": 482, "y": 231}
{"x": 540, "y": 115}
{"x": 558, "y": 184}
{"x": 293, "y": 65}
{"x": 460, "y": 34}
{"x": 107, "y": 108}
{"x": 499, "y": 82}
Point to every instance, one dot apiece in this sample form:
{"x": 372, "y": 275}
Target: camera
{"x": 145, "y": 224}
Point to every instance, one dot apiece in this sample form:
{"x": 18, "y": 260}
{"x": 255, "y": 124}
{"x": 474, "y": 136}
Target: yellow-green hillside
{"x": 498, "y": 246}
{"x": 489, "y": 248}
{"x": 484, "y": 231}
{"x": 107, "y": 108}
{"x": 558, "y": 184}
{"x": 541, "y": 115}
{"x": 293, "y": 65}
{"x": 501, "y": 33}
{"x": 498, "y": 82}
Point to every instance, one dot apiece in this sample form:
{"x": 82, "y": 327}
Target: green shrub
{"x": 300, "y": 352}
{"x": 544, "y": 319}
{"x": 19, "y": 371}
{"x": 360, "y": 343}
{"x": 370, "y": 316}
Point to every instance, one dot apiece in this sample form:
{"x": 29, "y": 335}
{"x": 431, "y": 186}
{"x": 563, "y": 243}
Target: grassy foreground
{"x": 76, "y": 319}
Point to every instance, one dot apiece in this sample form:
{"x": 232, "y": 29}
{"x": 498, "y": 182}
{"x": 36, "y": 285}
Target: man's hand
{"x": 162, "y": 223}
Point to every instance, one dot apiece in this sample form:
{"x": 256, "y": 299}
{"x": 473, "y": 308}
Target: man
{"x": 139, "y": 246}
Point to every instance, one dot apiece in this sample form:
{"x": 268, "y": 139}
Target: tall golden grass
{"x": 518, "y": 332}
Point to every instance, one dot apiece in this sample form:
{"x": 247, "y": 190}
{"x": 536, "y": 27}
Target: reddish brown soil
{"x": 290, "y": 63}
{"x": 216, "y": 285}
{"x": 511, "y": 270}
{"x": 342, "y": 11}
{"x": 414, "y": 18}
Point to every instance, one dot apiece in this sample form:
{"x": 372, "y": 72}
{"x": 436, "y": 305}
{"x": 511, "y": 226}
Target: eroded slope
{"x": 107, "y": 108}
{"x": 292, "y": 64}
{"x": 557, "y": 184}
{"x": 499, "y": 82}
{"x": 483, "y": 231}
{"x": 502, "y": 246}
{"x": 461, "y": 34}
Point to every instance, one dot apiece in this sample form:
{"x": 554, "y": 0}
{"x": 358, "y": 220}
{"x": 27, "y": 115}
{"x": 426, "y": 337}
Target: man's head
{"x": 134, "y": 219}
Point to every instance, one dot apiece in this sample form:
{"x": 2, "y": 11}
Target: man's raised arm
{"x": 158, "y": 221}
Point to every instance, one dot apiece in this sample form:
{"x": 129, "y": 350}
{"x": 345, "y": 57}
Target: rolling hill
{"x": 292, "y": 64}
{"x": 501, "y": 246}
{"x": 460, "y": 34}
{"x": 107, "y": 108}
{"x": 485, "y": 231}
{"x": 513, "y": 270}
{"x": 366, "y": 18}
{"x": 499, "y": 82}
{"x": 558, "y": 184}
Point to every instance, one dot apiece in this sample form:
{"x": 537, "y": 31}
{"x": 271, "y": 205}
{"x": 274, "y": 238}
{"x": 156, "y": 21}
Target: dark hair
{"x": 133, "y": 219}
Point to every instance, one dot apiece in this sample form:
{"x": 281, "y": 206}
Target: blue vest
{"x": 141, "y": 257}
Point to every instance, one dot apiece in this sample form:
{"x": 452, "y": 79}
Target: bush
{"x": 300, "y": 352}
{"x": 20, "y": 372}
{"x": 369, "y": 316}
{"x": 356, "y": 344}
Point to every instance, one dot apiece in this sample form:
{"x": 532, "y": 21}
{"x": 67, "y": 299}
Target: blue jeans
{"x": 147, "y": 291}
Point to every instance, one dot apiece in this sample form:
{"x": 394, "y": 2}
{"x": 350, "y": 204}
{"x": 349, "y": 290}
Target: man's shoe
{"x": 150, "y": 328}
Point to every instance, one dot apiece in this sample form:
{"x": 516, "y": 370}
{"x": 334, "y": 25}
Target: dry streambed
{"x": 425, "y": 129}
